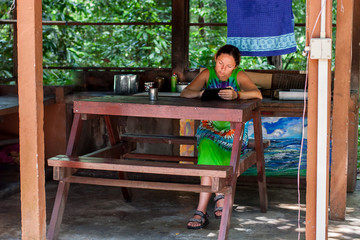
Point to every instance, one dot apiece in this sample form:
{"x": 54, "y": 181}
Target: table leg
{"x": 63, "y": 187}
{"x": 229, "y": 197}
{"x": 74, "y": 135}
{"x": 260, "y": 161}
{"x": 114, "y": 139}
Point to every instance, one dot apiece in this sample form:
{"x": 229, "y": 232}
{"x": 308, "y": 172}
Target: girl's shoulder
{"x": 237, "y": 72}
{"x": 212, "y": 73}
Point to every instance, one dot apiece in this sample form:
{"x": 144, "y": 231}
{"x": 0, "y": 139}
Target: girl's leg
{"x": 203, "y": 200}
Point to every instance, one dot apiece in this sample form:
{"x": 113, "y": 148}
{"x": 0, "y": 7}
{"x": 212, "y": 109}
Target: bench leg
{"x": 229, "y": 197}
{"x": 114, "y": 139}
{"x": 260, "y": 161}
{"x": 226, "y": 214}
{"x": 58, "y": 210}
{"x": 63, "y": 187}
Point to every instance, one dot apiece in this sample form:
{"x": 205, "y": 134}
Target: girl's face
{"x": 225, "y": 64}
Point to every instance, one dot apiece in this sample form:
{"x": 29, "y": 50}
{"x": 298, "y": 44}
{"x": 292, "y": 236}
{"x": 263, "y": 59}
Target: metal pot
{"x": 125, "y": 84}
{"x": 181, "y": 86}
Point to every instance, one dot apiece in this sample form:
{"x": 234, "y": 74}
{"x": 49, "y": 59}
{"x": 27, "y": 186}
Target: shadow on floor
{"x": 98, "y": 212}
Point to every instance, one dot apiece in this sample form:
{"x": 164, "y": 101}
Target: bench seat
{"x": 219, "y": 174}
{"x": 126, "y": 165}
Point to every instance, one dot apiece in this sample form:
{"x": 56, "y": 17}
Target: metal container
{"x": 153, "y": 94}
{"x": 181, "y": 86}
{"x": 125, "y": 84}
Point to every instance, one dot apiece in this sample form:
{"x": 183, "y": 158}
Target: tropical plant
{"x": 131, "y": 45}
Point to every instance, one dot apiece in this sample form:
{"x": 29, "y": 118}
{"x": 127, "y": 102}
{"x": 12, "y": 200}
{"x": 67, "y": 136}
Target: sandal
{"x": 203, "y": 220}
{"x": 218, "y": 209}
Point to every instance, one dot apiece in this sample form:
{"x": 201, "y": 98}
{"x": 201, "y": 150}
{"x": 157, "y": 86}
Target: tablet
{"x": 211, "y": 94}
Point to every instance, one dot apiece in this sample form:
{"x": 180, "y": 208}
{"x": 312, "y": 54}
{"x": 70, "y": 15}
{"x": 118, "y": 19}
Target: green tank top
{"x": 215, "y": 82}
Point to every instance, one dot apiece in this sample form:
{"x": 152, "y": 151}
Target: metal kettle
{"x": 125, "y": 84}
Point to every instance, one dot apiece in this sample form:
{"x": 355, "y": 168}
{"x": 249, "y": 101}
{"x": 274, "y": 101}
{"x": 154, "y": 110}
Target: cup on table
{"x": 153, "y": 94}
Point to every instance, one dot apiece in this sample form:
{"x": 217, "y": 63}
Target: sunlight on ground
{"x": 277, "y": 220}
{"x": 345, "y": 230}
{"x": 291, "y": 206}
{"x": 242, "y": 229}
{"x": 349, "y": 210}
{"x": 212, "y": 235}
{"x": 242, "y": 209}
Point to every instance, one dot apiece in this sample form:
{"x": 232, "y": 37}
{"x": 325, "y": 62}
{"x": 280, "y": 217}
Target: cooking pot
{"x": 181, "y": 86}
{"x": 125, "y": 84}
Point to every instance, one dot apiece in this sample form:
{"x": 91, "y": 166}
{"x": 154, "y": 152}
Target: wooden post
{"x": 31, "y": 114}
{"x": 313, "y": 31}
{"x": 354, "y": 102}
{"x": 180, "y": 37}
{"x": 340, "y": 117}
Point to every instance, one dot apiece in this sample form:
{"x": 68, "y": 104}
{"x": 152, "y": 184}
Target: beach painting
{"x": 286, "y": 154}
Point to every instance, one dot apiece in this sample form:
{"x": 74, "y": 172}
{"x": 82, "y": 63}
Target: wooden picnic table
{"x": 118, "y": 156}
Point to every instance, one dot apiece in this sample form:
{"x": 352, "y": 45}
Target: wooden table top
{"x": 168, "y": 107}
{"x": 10, "y": 104}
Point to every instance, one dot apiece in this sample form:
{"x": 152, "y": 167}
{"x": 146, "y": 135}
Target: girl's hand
{"x": 228, "y": 94}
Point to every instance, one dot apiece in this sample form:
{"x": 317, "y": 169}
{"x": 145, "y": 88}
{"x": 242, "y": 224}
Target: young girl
{"x": 215, "y": 137}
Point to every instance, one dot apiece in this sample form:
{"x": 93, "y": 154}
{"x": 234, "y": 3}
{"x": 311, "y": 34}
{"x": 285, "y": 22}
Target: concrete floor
{"x": 96, "y": 212}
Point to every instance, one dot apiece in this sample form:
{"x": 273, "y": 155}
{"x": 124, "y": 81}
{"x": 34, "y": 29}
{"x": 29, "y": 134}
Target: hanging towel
{"x": 261, "y": 27}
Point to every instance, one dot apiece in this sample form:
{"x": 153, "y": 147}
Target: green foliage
{"x": 6, "y": 41}
{"x": 6, "y": 51}
{"x": 57, "y": 77}
{"x": 296, "y": 61}
{"x": 208, "y": 11}
{"x": 134, "y": 45}
{"x": 106, "y": 45}
{"x": 299, "y": 11}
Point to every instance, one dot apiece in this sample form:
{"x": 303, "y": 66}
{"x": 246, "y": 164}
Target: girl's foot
{"x": 219, "y": 203}
{"x": 198, "y": 221}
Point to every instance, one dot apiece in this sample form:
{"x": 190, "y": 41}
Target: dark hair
{"x": 231, "y": 50}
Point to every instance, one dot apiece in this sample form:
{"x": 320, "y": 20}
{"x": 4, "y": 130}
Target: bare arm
{"x": 194, "y": 89}
{"x": 248, "y": 88}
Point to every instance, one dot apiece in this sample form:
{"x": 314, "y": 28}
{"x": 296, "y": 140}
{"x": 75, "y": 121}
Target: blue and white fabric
{"x": 261, "y": 27}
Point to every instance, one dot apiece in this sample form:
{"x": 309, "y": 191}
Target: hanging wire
{"x": 12, "y": 7}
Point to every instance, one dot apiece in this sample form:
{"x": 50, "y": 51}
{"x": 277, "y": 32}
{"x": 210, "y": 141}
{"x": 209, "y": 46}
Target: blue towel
{"x": 261, "y": 27}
